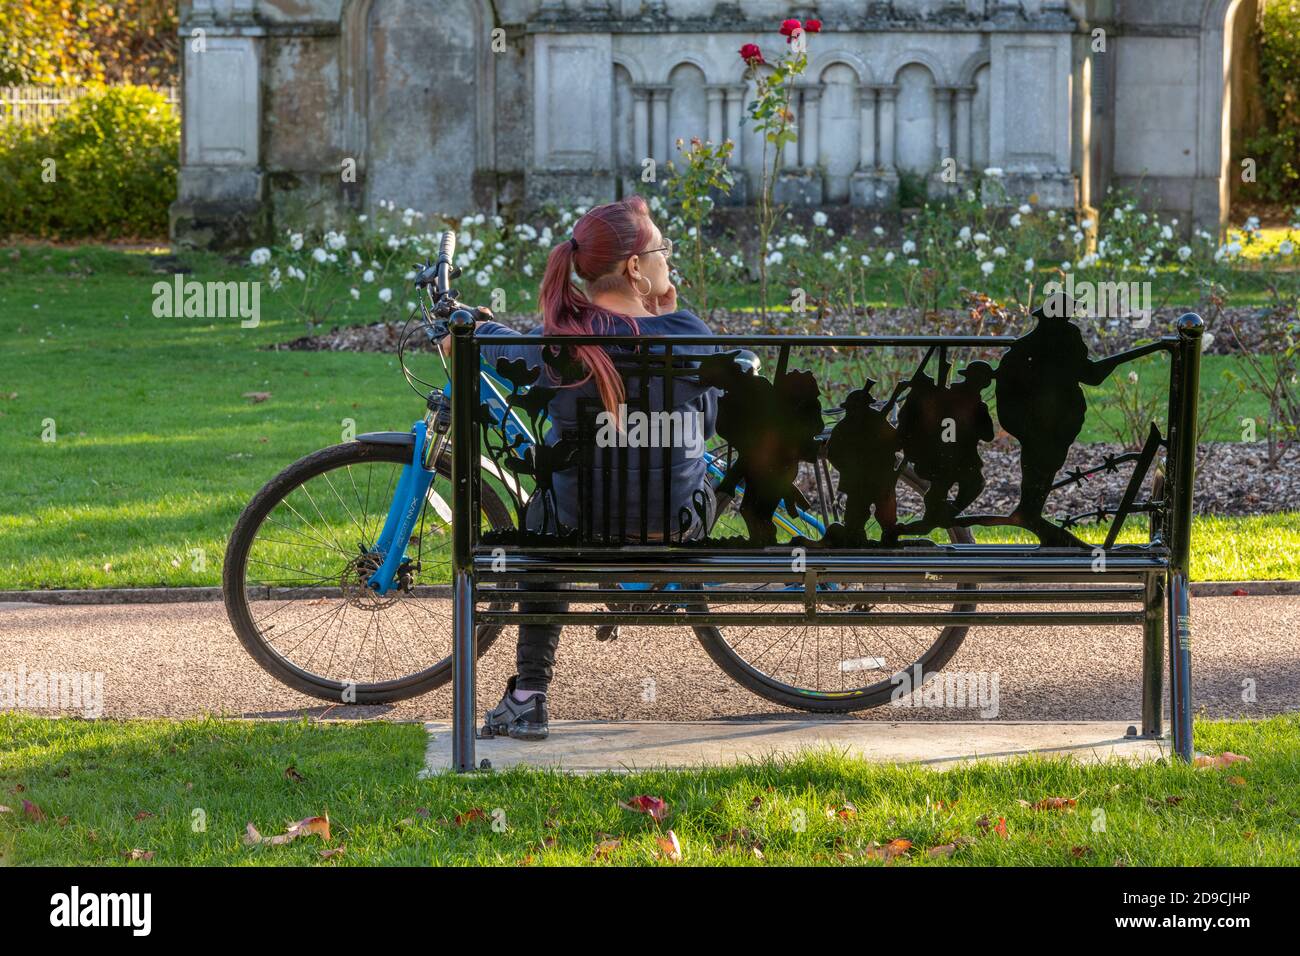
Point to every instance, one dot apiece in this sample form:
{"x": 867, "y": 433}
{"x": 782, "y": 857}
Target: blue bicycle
{"x": 336, "y": 575}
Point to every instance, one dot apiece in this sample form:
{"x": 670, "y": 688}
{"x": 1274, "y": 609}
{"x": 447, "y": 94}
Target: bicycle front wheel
{"x": 295, "y": 570}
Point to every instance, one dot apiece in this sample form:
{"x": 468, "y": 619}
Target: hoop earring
{"x": 649, "y": 286}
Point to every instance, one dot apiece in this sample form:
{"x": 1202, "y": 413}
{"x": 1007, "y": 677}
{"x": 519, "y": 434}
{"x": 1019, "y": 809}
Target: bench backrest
{"x": 813, "y": 434}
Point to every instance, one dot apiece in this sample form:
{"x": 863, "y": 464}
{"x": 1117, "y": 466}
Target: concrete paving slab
{"x": 593, "y": 746}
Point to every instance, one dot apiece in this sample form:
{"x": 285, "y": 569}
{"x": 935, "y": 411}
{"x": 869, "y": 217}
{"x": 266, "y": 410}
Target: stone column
{"x": 965, "y": 94}
{"x": 888, "y": 96}
{"x": 867, "y": 128}
{"x": 640, "y": 124}
{"x": 659, "y": 110}
{"x": 735, "y": 103}
{"x": 221, "y": 183}
{"x": 716, "y": 96}
{"x": 790, "y": 158}
{"x": 810, "y": 134}
{"x": 943, "y": 122}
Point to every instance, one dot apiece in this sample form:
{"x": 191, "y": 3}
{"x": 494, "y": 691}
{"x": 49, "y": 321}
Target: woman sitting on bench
{"x": 621, "y": 258}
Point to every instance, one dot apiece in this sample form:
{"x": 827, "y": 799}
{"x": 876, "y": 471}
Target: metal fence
{"x": 38, "y": 104}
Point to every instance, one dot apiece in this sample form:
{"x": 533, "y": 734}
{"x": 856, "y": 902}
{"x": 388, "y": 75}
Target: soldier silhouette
{"x": 1041, "y": 404}
{"x": 771, "y": 426}
{"x": 940, "y": 428}
{"x": 862, "y": 448}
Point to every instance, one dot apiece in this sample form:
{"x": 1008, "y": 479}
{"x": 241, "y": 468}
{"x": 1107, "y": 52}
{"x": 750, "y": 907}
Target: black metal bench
{"x": 756, "y": 568}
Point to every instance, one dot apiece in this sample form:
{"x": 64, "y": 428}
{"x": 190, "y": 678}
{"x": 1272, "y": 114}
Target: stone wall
{"x": 310, "y": 107}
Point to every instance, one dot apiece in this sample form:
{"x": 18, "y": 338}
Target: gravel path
{"x": 182, "y": 660}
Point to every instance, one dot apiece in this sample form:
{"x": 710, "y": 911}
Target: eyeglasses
{"x": 666, "y": 249}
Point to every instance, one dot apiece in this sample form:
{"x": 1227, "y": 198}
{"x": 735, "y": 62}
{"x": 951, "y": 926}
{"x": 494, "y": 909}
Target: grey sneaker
{"x": 522, "y": 720}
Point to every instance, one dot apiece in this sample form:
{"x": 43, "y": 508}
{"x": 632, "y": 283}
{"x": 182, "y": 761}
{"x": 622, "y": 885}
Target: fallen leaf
{"x": 1225, "y": 759}
{"x": 756, "y": 803}
{"x": 1079, "y": 852}
{"x": 320, "y": 826}
{"x": 330, "y": 853}
{"x": 944, "y": 850}
{"x": 469, "y": 816}
{"x": 33, "y": 812}
{"x": 257, "y": 397}
{"x": 1237, "y": 781}
{"x": 143, "y": 815}
{"x": 139, "y": 855}
{"x": 889, "y": 852}
{"x": 527, "y": 860}
{"x": 1240, "y": 592}
{"x": 17, "y": 788}
{"x": 1054, "y": 803}
{"x": 653, "y": 807}
{"x": 291, "y": 773}
{"x": 606, "y": 847}
{"x": 983, "y": 823}
{"x": 549, "y": 843}
{"x": 1001, "y": 828}
{"x": 670, "y": 846}
{"x": 422, "y": 812}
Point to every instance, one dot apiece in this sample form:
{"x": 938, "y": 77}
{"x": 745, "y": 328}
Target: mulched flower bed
{"x": 1102, "y": 335}
{"x": 1232, "y": 478}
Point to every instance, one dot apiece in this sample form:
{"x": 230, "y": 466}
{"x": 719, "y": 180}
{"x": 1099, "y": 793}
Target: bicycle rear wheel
{"x": 294, "y": 579}
{"x": 837, "y": 668}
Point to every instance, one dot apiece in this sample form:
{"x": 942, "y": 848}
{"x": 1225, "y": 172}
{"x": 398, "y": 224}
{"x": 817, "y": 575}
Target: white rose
{"x": 1029, "y": 265}
{"x": 987, "y": 268}
{"x": 385, "y": 295}
{"x": 295, "y": 241}
{"x": 819, "y": 218}
{"x": 260, "y": 257}
{"x": 368, "y": 276}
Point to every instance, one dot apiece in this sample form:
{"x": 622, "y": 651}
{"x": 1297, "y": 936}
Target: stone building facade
{"x": 296, "y": 107}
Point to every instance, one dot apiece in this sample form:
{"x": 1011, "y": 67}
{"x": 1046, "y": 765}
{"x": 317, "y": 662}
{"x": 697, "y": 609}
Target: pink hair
{"x": 606, "y": 236}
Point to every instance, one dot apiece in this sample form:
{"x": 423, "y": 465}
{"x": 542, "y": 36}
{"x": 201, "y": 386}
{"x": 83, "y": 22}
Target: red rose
{"x": 813, "y": 26}
{"x": 789, "y": 27}
{"x": 751, "y": 54}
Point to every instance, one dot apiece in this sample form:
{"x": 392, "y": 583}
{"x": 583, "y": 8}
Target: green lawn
{"x": 156, "y": 450}
{"x": 184, "y": 792}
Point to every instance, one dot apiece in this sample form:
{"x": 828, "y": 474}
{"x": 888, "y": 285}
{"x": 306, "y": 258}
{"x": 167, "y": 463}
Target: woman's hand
{"x": 484, "y": 314}
{"x": 662, "y": 304}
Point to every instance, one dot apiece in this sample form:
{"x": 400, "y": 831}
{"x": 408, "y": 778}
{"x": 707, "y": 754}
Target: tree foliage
{"x": 71, "y": 42}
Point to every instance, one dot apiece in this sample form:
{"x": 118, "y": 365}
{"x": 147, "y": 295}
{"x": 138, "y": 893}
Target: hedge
{"x": 106, "y": 168}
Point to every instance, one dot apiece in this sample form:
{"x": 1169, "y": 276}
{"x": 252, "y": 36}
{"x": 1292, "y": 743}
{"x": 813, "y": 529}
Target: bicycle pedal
{"x": 607, "y": 632}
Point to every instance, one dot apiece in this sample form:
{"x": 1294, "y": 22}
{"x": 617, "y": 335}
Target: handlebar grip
{"x": 447, "y": 250}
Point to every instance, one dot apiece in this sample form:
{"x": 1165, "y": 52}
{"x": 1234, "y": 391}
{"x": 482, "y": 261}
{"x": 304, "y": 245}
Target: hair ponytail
{"x": 604, "y": 237}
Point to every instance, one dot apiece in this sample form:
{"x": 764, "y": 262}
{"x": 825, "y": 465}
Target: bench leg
{"x": 463, "y": 696}
{"x": 1153, "y": 659}
{"x": 1180, "y": 664}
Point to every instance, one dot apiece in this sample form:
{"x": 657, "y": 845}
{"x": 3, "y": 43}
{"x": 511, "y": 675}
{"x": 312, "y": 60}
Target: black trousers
{"x": 535, "y": 653}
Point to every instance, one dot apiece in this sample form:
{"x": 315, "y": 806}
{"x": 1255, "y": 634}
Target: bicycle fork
{"x": 412, "y": 489}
